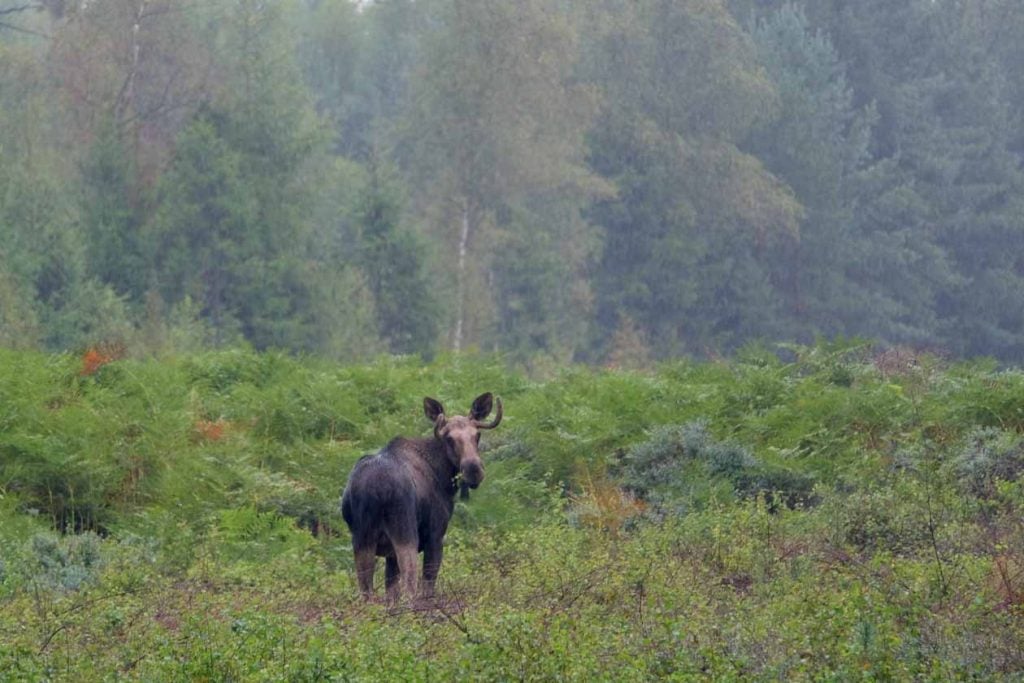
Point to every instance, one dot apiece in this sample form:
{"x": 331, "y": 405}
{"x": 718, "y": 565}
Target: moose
{"x": 398, "y": 502}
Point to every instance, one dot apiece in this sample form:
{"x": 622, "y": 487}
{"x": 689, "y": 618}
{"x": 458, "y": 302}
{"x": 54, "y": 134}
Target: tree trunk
{"x": 127, "y": 94}
{"x": 461, "y": 295}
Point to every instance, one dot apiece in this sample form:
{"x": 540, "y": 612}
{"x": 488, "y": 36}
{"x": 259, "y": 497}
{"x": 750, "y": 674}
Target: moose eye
{"x": 477, "y": 437}
{"x": 450, "y": 441}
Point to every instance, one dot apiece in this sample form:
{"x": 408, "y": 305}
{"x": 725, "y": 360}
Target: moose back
{"x": 398, "y": 502}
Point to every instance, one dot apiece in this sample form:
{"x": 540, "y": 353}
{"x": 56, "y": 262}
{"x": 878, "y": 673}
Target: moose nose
{"x": 472, "y": 473}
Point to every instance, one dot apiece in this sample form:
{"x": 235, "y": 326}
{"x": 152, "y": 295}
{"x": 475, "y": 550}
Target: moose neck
{"x": 436, "y": 457}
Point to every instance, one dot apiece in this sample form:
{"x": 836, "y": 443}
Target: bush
{"x": 66, "y": 562}
{"x": 678, "y": 467}
{"x": 989, "y": 456}
{"x": 891, "y": 519}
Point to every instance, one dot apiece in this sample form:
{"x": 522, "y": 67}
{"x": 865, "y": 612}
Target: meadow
{"x": 830, "y": 512}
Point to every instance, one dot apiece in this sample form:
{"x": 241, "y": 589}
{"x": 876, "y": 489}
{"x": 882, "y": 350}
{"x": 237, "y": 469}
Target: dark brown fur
{"x": 398, "y": 502}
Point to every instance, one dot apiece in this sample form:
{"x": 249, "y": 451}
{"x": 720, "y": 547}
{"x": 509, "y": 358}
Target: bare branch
{"x": 169, "y": 9}
{"x": 20, "y": 8}
{"x": 127, "y": 93}
{"x": 19, "y": 29}
{"x": 16, "y": 9}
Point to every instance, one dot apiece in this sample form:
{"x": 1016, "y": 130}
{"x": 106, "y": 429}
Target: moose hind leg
{"x": 391, "y": 575}
{"x": 401, "y": 532}
{"x": 366, "y": 563}
{"x": 405, "y": 556}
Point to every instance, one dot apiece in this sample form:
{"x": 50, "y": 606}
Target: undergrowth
{"x": 826, "y": 514}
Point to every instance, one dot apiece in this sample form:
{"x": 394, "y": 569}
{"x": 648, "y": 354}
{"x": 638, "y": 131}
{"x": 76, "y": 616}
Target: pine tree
{"x": 942, "y": 206}
{"x": 52, "y": 298}
{"x": 688, "y": 233}
{"x": 110, "y": 223}
{"x": 202, "y": 235}
{"x": 393, "y": 258}
{"x": 817, "y": 144}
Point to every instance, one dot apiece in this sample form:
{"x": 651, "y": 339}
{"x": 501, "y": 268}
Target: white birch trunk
{"x": 127, "y": 93}
{"x": 461, "y": 294}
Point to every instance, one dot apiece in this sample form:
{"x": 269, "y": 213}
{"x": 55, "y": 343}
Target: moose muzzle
{"x": 472, "y": 471}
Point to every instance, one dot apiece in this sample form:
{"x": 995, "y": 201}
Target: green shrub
{"x": 680, "y": 466}
{"x": 248, "y": 535}
{"x": 987, "y": 399}
{"x": 989, "y": 456}
{"x": 890, "y": 519}
{"x": 219, "y": 371}
{"x": 66, "y": 562}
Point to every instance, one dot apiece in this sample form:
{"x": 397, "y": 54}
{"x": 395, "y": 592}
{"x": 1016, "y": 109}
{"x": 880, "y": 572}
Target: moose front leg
{"x": 432, "y": 555}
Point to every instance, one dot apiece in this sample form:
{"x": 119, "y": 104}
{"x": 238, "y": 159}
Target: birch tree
{"x": 498, "y": 124}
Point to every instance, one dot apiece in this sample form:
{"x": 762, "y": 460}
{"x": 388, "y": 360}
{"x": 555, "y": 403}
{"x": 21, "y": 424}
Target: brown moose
{"x": 398, "y": 502}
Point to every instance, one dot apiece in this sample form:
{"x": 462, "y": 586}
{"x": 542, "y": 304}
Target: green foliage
{"x": 201, "y": 233}
{"x": 392, "y": 257}
{"x": 660, "y": 470}
{"x": 878, "y": 520}
{"x": 683, "y": 467}
{"x": 495, "y": 130}
{"x": 998, "y": 404}
{"x": 247, "y": 535}
{"x": 66, "y": 563}
{"x": 989, "y": 457}
{"x": 215, "y": 481}
{"x": 19, "y": 324}
{"x": 114, "y": 253}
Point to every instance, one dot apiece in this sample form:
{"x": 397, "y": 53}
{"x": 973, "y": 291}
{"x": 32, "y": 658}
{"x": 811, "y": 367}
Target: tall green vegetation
{"x": 585, "y": 181}
{"x": 848, "y": 513}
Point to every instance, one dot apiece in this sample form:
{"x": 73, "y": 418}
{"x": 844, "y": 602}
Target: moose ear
{"x": 481, "y": 406}
{"x": 432, "y": 409}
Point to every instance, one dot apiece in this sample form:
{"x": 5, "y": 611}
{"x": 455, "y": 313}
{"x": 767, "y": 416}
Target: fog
{"x": 613, "y": 182}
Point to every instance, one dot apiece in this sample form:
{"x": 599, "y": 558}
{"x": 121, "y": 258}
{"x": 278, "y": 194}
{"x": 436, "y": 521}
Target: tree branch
{"x": 16, "y": 9}
{"x": 19, "y": 29}
{"x": 20, "y": 8}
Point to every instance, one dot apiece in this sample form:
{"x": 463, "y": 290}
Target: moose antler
{"x": 493, "y": 423}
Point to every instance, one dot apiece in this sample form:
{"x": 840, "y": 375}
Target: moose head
{"x": 461, "y": 436}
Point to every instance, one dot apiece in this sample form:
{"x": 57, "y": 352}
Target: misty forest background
{"x": 604, "y": 181}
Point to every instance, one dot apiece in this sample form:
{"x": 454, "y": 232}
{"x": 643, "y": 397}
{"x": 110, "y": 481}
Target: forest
{"x": 612, "y": 182}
